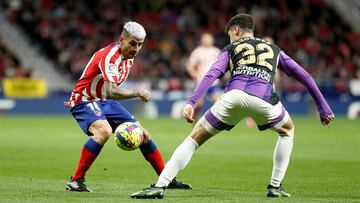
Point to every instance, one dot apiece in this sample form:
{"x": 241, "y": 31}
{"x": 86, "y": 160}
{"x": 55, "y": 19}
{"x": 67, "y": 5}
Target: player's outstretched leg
{"x": 153, "y": 156}
{"x": 276, "y": 191}
{"x": 178, "y": 161}
{"x": 149, "y": 193}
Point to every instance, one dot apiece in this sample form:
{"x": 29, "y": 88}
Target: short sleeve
{"x": 109, "y": 70}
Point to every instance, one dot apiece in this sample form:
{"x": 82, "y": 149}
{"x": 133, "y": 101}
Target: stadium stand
{"x": 10, "y": 65}
{"x": 69, "y": 31}
{"x": 29, "y": 56}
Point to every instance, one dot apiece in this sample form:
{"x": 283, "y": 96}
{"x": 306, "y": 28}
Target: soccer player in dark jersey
{"x": 252, "y": 63}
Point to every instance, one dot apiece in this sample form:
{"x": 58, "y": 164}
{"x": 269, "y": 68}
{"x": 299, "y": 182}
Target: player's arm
{"x": 217, "y": 70}
{"x": 291, "y": 68}
{"x": 113, "y": 92}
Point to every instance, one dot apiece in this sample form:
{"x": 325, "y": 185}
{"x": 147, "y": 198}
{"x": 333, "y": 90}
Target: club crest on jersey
{"x": 112, "y": 69}
{"x": 97, "y": 112}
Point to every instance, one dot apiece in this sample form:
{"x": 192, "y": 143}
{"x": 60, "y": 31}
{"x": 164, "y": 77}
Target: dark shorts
{"x": 86, "y": 113}
{"x": 213, "y": 89}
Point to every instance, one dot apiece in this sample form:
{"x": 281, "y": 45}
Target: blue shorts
{"x": 213, "y": 89}
{"x": 86, "y": 113}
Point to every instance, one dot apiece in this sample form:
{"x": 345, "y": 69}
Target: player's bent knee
{"x": 289, "y": 133}
{"x": 145, "y": 133}
{"x": 102, "y": 133}
{"x": 287, "y": 129}
{"x": 200, "y": 135}
{"x": 146, "y": 138}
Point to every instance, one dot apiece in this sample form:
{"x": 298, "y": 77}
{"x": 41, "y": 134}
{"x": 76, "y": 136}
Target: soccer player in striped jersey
{"x": 200, "y": 61}
{"x": 249, "y": 92}
{"x": 94, "y": 107}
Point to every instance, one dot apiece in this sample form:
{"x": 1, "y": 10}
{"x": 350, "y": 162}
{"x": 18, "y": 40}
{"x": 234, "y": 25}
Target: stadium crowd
{"x": 10, "y": 65}
{"x": 69, "y": 32}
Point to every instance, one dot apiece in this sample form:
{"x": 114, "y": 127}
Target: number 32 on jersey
{"x": 255, "y": 55}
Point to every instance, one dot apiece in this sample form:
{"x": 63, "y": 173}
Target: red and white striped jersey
{"x": 203, "y": 57}
{"x": 105, "y": 65}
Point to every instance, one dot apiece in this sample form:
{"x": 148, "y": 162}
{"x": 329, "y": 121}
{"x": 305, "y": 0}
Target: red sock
{"x": 156, "y": 161}
{"x": 153, "y": 155}
{"x": 86, "y": 160}
{"x": 196, "y": 113}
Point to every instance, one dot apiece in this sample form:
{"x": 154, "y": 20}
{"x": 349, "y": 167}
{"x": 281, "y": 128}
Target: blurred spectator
{"x": 10, "y": 66}
{"x": 69, "y": 31}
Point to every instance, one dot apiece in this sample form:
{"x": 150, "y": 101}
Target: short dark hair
{"x": 244, "y": 21}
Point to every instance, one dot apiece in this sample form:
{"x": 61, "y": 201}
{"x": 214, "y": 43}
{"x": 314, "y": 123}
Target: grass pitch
{"x": 39, "y": 153}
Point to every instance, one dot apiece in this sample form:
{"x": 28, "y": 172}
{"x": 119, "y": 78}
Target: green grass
{"x": 39, "y": 154}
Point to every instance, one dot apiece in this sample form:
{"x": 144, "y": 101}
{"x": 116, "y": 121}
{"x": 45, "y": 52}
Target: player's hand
{"x": 328, "y": 119}
{"x": 144, "y": 95}
{"x": 67, "y": 104}
{"x": 188, "y": 113}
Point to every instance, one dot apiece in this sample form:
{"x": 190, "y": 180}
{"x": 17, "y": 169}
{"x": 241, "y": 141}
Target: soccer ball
{"x": 128, "y": 136}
